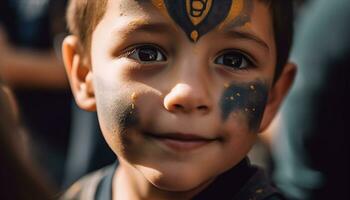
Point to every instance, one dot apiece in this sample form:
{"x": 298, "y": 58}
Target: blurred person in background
{"x": 29, "y": 64}
{"x": 20, "y": 179}
{"x": 311, "y": 145}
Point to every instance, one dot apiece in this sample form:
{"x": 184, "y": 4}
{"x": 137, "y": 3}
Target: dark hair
{"x": 82, "y": 18}
{"x": 283, "y": 19}
{"x": 84, "y": 15}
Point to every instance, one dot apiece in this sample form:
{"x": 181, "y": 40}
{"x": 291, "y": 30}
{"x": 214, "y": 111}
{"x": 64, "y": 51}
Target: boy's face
{"x": 181, "y": 88}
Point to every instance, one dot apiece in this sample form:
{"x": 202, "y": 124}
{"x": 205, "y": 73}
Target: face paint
{"x": 239, "y": 14}
{"x": 119, "y": 109}
{"x": 198, "y": 17}
{"x": 247, "y": 98}
{"x": 127, "y": 118}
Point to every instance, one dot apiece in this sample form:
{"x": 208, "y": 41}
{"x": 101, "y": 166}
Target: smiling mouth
{"x": 181, "y": 142}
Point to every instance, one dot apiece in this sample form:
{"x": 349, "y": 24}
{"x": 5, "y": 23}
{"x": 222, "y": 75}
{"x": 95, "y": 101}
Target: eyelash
{"x": 249, "y": 61}
{"x": 160, "y": 52}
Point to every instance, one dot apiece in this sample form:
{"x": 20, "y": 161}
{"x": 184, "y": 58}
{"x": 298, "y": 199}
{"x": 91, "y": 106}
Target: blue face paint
{"x": 247, "y": 98}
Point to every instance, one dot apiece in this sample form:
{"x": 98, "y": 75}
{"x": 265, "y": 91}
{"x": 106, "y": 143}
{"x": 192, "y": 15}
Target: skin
{"x": 184, "y": 93}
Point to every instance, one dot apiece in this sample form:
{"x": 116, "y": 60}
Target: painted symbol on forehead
{"x": 198, "y": 17}
{"x": 247, "y": 98}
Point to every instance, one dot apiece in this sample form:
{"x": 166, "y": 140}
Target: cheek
{"x": 239, "y": 138}
{"x": 238, "y": 141}
{"x": 244, "y": 102}
{"x": 116, "y": 113}
{"x": 123, "y": 110}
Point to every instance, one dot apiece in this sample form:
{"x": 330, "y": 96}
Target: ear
{"x": 79, "y": 74}
{"x": 277, "y": 94}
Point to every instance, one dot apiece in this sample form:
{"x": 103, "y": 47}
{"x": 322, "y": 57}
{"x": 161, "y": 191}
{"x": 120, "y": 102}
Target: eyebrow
{"x": 247, "y": 36}
{"x": 141, "y": 25}
{"x": 145, "y": 26}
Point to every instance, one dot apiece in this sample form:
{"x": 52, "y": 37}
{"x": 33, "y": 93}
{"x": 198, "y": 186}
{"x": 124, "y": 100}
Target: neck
{"x": 129, "y": 183}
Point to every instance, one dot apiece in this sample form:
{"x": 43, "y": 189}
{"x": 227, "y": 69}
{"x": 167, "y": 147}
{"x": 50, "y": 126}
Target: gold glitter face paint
{"x": 197, "y": 10}
{"x": 248, "y": 98}
{"x": 194, "y": 35}
{"x": 133, "y": 101}
{"x": 133, "y": 96}
{"x": 198, "y": 17}
{"x": 239, "y": 14}
{"x": 161, "y": 6}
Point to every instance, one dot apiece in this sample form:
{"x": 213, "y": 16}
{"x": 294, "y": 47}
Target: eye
{"x": 233, "y": 60}
{"x": 147, "y": 53}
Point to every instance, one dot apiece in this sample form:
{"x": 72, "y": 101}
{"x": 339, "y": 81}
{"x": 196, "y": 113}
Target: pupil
{"x": 233, "y": 60}
{"x": 148, "y": 54}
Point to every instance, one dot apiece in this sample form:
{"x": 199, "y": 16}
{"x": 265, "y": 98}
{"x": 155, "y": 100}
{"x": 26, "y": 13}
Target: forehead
{"x": 195, "y": 18}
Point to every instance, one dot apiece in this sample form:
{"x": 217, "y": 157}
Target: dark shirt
{"x": 242, "y": 182}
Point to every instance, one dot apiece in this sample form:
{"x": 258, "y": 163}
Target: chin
{"x": 179, "y": 184}
{"x": 177, "y": 180}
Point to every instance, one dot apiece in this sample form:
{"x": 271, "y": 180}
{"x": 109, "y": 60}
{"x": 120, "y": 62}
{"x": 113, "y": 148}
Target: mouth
{"x": 181, "y": 141}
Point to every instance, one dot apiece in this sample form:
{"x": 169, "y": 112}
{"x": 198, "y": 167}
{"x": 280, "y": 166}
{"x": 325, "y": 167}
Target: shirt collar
{"x": 104, "y": 189}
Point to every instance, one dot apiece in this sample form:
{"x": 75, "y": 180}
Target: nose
{"x": 188, "y": 98}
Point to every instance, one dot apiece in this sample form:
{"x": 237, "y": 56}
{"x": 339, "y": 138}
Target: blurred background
{"x": 63, "y": 140}
{"x": 308, "y": 142}
{"x": 305, "y": 151}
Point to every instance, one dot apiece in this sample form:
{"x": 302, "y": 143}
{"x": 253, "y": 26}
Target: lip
{"x": 180, "y": 141}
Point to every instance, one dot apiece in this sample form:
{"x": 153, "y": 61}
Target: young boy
{"x": 181, "y": 89}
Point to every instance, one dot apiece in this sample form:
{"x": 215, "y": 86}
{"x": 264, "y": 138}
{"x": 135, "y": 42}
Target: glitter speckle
{"x": 252, "y": 87}
{"x": 133, "y": 96}
{"x": 226, "y": 85}
{"x": 232, "y": 98}
{"x": 247, "y": 103}
{"x": 247, "y": 25}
